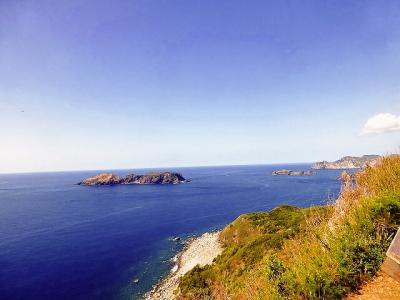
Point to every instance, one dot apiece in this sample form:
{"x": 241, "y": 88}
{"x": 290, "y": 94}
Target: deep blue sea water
{"x": 59, "y": 240}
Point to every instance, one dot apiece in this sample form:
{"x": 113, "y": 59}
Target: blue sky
{"x": 129, "y": 84}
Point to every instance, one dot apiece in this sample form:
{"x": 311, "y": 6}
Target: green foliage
{"x": 194, "y": 284}
{"x": 247, "y": 241}
{"x": 362, "y": 244}
{"x": 283, "y": 218}
{"x": 274, "y": 271}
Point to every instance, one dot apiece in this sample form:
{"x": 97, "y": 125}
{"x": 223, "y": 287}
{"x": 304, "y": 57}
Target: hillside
{"x": 306, "y": 253}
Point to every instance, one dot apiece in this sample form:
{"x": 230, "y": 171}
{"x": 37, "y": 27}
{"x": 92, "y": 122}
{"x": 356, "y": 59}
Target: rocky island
{"x": 150, "y": 178}
{"x": 348, "y": 162}
{"x": 292, "y": 173}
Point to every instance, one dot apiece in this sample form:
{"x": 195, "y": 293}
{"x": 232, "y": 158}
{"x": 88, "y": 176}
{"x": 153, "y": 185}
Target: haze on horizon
{"x": 132, "y": 84}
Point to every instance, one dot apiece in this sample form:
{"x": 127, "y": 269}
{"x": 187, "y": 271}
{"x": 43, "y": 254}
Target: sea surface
{"x": 59, "y": 240}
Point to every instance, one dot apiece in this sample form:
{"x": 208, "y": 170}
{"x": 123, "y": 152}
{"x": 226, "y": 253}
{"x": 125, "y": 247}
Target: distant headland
{"x": 348, "y": 162}
{"x": 150, "y": 178}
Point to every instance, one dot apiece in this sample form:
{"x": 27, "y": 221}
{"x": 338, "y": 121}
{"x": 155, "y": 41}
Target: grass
{"x": 313, "y": 253}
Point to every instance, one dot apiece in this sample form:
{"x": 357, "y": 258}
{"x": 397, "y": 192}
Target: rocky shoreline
{"x": 197, "y": 251}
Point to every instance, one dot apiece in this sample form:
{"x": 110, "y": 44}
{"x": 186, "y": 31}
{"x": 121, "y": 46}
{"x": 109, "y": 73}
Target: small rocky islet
{"x": 293, "y": 173}
{"x": 150, "y": 178}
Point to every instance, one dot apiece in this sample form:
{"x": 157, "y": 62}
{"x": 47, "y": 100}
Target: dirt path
{"x": 382, "y": 287}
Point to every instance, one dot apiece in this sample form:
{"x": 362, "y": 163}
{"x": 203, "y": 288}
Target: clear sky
{"x": 128, "y": 84}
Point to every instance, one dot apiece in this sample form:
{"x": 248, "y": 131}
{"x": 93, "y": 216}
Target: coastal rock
{"x": 293, "y": 173}
{"x": 102, "y": 179}
{"x": 155, "y": 178}
{"x": 346, "y": 176}
{"x": 348, "y": 180}
{"x": 281, "y": 172}
{"x": 151, "y": 178}
{"x": 348, "y": 162}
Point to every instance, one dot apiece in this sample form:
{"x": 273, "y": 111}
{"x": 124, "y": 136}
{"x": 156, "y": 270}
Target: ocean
{"x": 59, "y": 240}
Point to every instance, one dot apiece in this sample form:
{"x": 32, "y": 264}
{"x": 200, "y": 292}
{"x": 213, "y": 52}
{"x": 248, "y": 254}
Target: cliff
{"x": 323, "y": 252}
{"x": 348, "y": 162}
{"x": 151, "y": 178}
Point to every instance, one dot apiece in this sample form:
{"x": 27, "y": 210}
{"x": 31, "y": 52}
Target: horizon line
{"x": 167, "y": 167}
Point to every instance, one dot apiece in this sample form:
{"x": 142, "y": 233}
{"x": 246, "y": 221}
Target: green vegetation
{"x": 312, "y": 253}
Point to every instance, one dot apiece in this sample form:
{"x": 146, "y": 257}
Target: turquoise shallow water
{"x": 64, "y": 241}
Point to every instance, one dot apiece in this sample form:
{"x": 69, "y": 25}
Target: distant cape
{"x": 348, "y": 162}
{"x": 150, "y": 178}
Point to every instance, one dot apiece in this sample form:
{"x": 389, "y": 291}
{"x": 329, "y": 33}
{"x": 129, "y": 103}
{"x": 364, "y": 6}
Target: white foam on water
{"x": 174, "y": 269}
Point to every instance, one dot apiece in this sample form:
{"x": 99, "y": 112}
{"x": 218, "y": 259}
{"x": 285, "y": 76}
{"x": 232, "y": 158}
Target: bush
{"x": 194, "y": 284}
